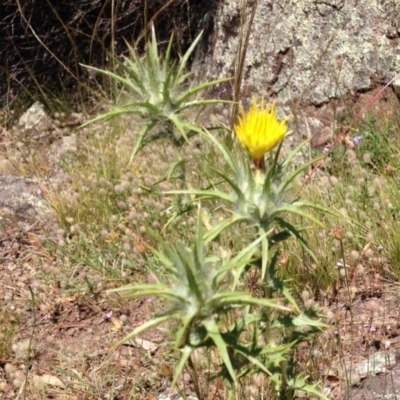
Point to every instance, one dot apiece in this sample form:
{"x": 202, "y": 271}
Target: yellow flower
{"x": 259, "y": 131}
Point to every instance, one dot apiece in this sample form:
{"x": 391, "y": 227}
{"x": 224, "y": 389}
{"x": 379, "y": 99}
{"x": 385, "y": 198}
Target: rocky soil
{"x": 55, "y": 339}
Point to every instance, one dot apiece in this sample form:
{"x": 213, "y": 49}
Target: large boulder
{"x": 307, "y": 51}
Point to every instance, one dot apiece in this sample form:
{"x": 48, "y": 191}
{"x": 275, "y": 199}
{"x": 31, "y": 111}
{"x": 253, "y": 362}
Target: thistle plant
{"x": 204, "y": 291}
{"x": 261, "y": 194}
{"x": 197, "y": 293}
{"x": 159, "y": 90}
{"x": 261, "y": 190}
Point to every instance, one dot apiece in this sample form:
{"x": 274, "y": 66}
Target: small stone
{"x": 22, "y": 348}
{"x": 5, "y": 166}
{"x": 17, "y": 383}
{"x": 322, "y": 138}
{"x": 34, "y": 120}
{"x": 20, "y": 375}
{"x": 380, "y": 362}
{"x": 3, "y": 386}
{"x": 47, "y": 380}
{"x": 9, "y": 369}
{"x": 396, "y": 87}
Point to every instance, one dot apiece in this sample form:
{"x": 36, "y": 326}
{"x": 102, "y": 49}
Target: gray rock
{"x": 396, "y": 87}
{"x": 379, "y": 363}
{"x": 175, "y": 396}
{"x": 21, "y": 202}
{"x": 34, "y": 123}
{"x": 63, "y": 150}
{"x": 306, "y": 49}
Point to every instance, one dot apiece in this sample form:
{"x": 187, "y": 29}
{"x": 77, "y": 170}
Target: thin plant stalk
{"x": 195, "y": 379}
{"x": 341, "y": 352}
{"x": 243, "y": 45}
{"x": 346, "y": 277}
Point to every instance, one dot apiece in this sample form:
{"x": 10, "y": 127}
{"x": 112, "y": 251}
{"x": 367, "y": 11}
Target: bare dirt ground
{"x": 59, "y": 341}
{"x": 54, "y": 339}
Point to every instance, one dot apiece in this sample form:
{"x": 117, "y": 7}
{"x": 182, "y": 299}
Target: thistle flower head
{"x": 259, "y": 131}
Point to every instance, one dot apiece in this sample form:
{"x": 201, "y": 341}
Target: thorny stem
{"x": 286, "y": 393}
{"x": 268, "y": 294}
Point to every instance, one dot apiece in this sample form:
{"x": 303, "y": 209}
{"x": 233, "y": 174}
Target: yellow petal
{"x": 259, "y": 131}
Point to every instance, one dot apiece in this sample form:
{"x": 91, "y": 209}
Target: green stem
{"x": 268, "y": 294}
{"x": 286, "y": 392}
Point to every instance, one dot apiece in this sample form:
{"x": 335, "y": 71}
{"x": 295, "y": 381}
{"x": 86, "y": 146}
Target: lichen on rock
{"x": 308, "y": 50}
